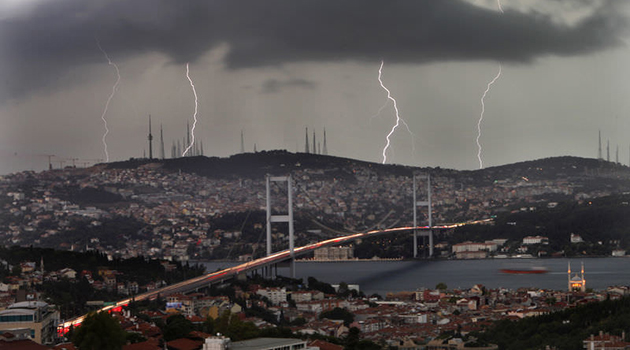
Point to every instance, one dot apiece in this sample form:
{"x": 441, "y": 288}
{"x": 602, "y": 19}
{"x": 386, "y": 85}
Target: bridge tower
{"x": 281, "y": 218}
{"x": 422, "y": 203}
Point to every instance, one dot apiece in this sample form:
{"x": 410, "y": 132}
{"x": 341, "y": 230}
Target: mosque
{"x": 576, "y": 283}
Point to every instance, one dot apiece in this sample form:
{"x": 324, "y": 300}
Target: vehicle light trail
{"x": 398, "y": 118}
{"x": 192, "y": 131}
{"x": 114, "y": 89}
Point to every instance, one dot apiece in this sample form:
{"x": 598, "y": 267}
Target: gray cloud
{"x": 41, "y": 47}
{"x": 275, "y": 85}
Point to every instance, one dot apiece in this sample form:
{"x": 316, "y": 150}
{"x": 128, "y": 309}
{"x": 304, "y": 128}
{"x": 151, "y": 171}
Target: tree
{"x": 177, "y": 326}
{"x": 99, "y": 331}
{"x": 441, "y": 286}
{"x": 338, "y": 314}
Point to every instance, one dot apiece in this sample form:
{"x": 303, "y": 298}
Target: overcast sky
{"x": 271, "y": 68}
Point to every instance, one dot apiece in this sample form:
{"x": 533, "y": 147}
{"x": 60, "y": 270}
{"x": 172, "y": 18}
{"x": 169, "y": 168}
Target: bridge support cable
{"x": 288, "y": 218}
{"x": 424, "y": 203}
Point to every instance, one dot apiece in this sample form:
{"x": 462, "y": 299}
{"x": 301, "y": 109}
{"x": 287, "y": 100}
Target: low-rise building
{"x": 36, "y": 316}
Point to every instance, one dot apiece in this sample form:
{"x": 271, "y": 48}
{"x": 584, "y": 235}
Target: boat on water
{"x": 523, "y": 271}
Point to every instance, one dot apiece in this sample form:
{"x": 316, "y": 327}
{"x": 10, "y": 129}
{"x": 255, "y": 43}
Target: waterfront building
{"x": 334, "y": 253}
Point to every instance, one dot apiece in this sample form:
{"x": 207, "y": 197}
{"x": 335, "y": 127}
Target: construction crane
{"x": 50, "y": 156}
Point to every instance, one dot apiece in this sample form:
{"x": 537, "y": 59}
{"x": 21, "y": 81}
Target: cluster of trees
{"x": 605, "y": 220}
{"x": 561, "y": 330}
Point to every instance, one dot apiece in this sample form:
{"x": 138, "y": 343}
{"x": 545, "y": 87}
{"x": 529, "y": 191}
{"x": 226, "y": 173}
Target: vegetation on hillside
{"x": 563, "y": 330}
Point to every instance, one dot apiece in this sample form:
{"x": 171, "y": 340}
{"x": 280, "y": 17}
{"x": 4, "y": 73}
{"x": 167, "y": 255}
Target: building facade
{"x": 36, "y": 316}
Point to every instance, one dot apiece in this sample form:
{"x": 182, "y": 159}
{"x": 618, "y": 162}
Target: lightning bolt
{"x": 483, "y": 108}
{"x": 114, "y": 89}
{"x": 192, "y": 131}
{"x": 398, "y": 118}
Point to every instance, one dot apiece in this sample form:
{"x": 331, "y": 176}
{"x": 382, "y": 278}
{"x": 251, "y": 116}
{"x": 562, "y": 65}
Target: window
{"x": 16, "y": 318}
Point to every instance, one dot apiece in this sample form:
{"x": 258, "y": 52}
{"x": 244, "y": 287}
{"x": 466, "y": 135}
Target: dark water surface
{"x": 393, "y": 276}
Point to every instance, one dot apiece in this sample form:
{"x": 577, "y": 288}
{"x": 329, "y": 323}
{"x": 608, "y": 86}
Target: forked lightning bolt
{"x": 483, "y": 109}
{"x": 192, "y": 131}
{"x": 499, "y": 4}
{"x": 398, "y": 118}
{"x": 114, "y": 89}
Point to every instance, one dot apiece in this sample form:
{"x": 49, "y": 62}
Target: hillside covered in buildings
{"x": 214, "y": 208}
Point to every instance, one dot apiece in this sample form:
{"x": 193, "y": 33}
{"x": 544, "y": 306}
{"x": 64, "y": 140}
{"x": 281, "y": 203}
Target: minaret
{"x": 179, "y": 149}
{"x": 608, "y": 150}
{"x": 306, "y": 147}
{"x": 150, "y": 140}
{"x": 242, "y": 142}
{"x": 325, "y": 149}
{"x": 569, "y": 277}
{"x": 201, "y": 148}
{"x": 314, "y": 147}
{"x": 255, "y": 151}
{"x": 583, "y": 289}
{"x": 173, "y": 151}
{"x": 162, "y": 154}
{"x": 599, "y": 154}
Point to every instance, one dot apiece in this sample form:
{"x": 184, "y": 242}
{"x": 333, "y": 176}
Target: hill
{"x": 214, "y": 207}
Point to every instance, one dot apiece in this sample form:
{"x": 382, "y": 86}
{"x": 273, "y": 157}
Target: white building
{"x": 576, "y": 238}
{"x": 474, "y": 247}
{"x": 535, "y": 240}
{"x": 275, "y": 295}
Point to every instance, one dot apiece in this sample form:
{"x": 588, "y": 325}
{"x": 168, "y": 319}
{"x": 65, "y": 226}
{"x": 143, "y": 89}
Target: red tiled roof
{"x": 25, "y": 344}
{"x": 65, "y": 346}
{"x": 185, "y": 344}
{"x": 151, "y": 344}
{"x": 324, "y": 345}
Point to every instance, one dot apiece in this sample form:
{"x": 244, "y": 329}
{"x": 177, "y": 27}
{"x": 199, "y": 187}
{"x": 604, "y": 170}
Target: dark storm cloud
{"x": 275, "y": 85}
{"x": 39, "y": 48}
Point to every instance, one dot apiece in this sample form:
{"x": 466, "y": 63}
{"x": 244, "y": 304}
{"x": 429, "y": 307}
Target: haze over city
{"x": 271, "y": 69}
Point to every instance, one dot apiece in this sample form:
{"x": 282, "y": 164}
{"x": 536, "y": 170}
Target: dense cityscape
{"x": 314, "y": 175}
{"x": 108, "y": 216}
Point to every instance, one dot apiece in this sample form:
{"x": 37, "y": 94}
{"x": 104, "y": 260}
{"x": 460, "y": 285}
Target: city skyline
{"x": 286, "y": 66}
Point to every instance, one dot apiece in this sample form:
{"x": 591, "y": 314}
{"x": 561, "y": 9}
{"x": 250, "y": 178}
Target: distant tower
{"x": 306, "y": 147}
{"x": 201, "y": 148}
{"x": 319, "y": 148}
{"x": 314, "y": 147}
{"x": 599, "y": 154}
{"x": 187, "y": 134}
{"x": 608, "y": 150}
{"x": 325, "y": 149}
{"x": 617, "y": 155}
{"x": 162, "y": 154}
{"x": 242, "y": 143}
{"x": 255, "y": 150}
{"x": 576, "y": 283}
{"x": 173, "y": 151}
{"x": 150, "y": 140}
{"x": 179, "y": 149}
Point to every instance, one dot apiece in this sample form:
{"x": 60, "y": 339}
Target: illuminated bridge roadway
{"x": 231, "y": 272}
